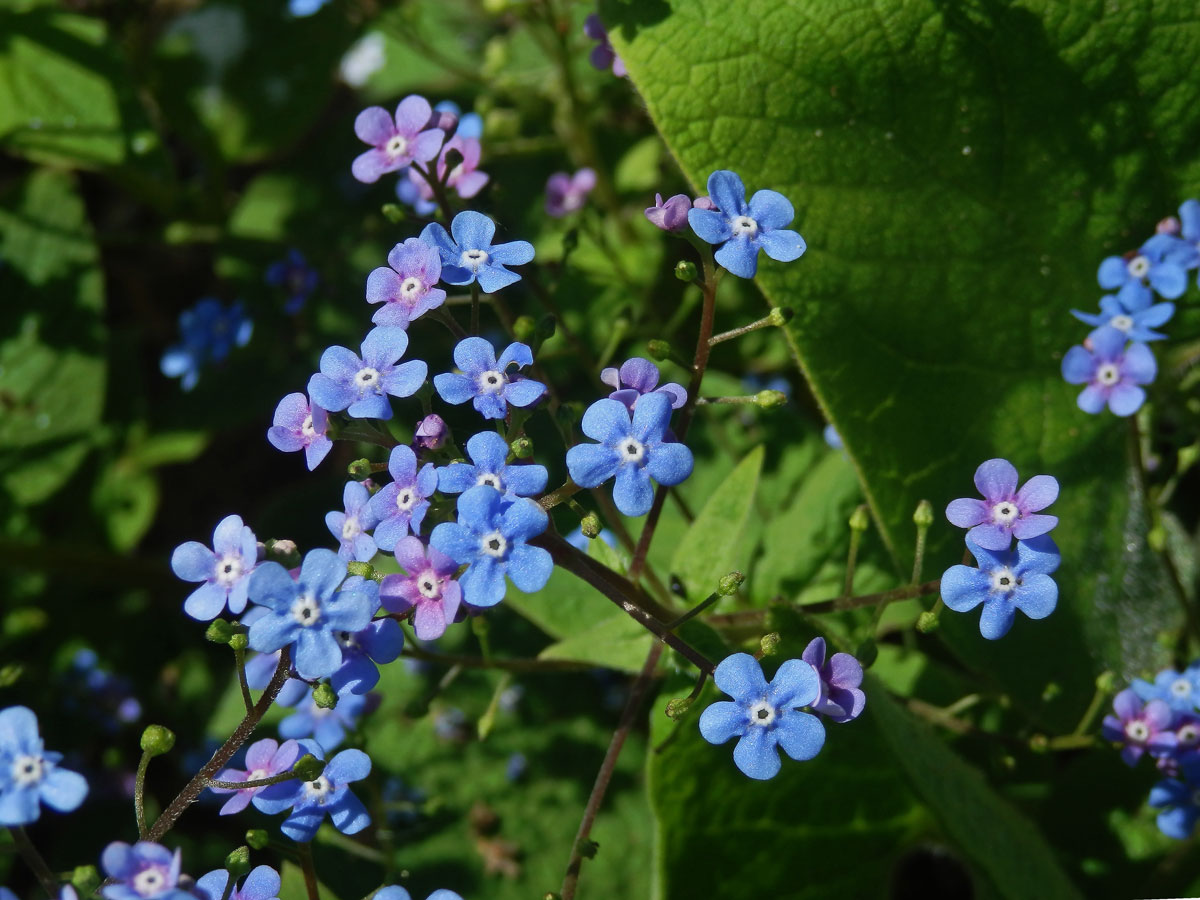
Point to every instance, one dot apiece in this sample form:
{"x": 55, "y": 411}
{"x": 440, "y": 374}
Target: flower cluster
{"x": 1004, "y": 579}
{"x": 207, "y": 332}
{"x": 1115, "y": 360}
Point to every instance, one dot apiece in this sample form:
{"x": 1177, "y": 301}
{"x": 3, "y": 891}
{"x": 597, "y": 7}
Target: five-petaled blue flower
{"x": 1161, "y": 263}
{"x": 351, "y": 527}
{"x": 379, "y": 642}
{"x": 225, "y": 570}
{"x": 632, "y": 447}
{"x": 1004, "y": 582}
{"x": 485, "y": 380}
{"x": 1112, "y": 371}
{"x": 29, "y": 774}
{"x": 402, "y": 504}
{"x": 306, "y": 613}
{"x": 327, "y": 726}
{"x": 490, "y": 539}
{"x": 1136, "y": 325}
{"x": 262, "y": 883}
{"x": 489, "y": 455}
{"x": 471, "y": 256}
{"x": 764, "y": 716}
{"x": 144, "y": 871}
{"x": 1179, "y": 801}
{"x": 742, "y": 229}
{"x": 360, "y": 385}
{"x": 1179, "y": 690}
{"x": 329, "y": 794}
{"x": 208, "y": 331}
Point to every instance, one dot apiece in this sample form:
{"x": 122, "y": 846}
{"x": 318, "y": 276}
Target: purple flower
{"x": 264, "y": 759}
{"x": 671, "y": 215}
{"x": 489, "y": 455}
{"x": 296, "y": 276}
{"x": 329, "y": 794}
{"x": 1140, "y": 728}
{"x": 764, "y": 716}
{"x": 262, "y": 883}
{"x": 602, "y": 56}
{"x": 224, "y": 572}
{"x": 465, "y": 179}
{"x": 144, "y": 871}
{"x": 567, "y": 193}
{"x": 351, "y": 527}
{"x": 327, "y": 726}
{"x": 299, "y": 426}
{"x": 29, "y": 774}
{"x": 362, "y": 652}
{"x": 1160, "y": 264}
{"x": 1111, "y": 371}
{"x": 430, "y": 432}
{"x": 395, "y": 143}
{"x": 1137, "y": 325}
{"x": 742, "y": 229}
{"x": 470, "y": 255}
{"x": 1004, "y": 512}
{"x": 840, "y": 698}
{"x": 639, "y": 376}
{"x": 406, "y": 285}
{"x": 361, "y": 385}
{"x": 1179, "y": 802}
{"x": 1004, "y": 582}
{"x": 429, "y": 588}
{"x": 402, "y": 504}
{"x": 485, "y": 380}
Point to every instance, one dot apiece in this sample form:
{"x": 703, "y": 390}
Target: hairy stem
{"x": 139, "y": 793}
{"x": 754, "y": 616}
{"x": 239, "y": 658}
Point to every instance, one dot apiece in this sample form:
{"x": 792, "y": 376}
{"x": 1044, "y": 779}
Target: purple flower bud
{"x": 1169, "y": 225}
{"x": 431, "y": 432}
{"x": 445, "y": 119}
{"x": 704, "y": 202}
{"x": 670, "y": 215}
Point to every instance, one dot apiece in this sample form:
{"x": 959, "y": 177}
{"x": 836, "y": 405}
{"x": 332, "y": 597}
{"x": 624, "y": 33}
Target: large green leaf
{"x": 958, "y": 171}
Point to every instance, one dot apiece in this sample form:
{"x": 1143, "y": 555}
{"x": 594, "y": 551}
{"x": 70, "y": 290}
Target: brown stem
{"x": 751, "y": 616}
{"x": 304, "y": 851}
{"x": 34, "y": 859}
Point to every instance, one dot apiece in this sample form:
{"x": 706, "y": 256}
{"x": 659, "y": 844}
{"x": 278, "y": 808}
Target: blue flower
{"x": 1160, "y": 264}
{"x": 29, "y": 773}
{"x": 262, "y": 883}
{"x": 1189, "y": 222}
{"x": 307, "y": 612}
{"x": 225, "y": 570}
{"x": 489, "y": 455}
{"x": 632, "y": 448}
{"x": 328, "y": 795}
{"x": 485, "y": 380}
{"x": 351, "y": 527}
{"x": 208, "y": 331}
{"x": 833, "y": 440}
{"x": 490, "y": 539}
{"x": 1179, "y": 802}
{"x": 402, "y": 504}
{"x": 296, "y": 276}
{"x": 261, "y": 666}
{"x": 144, "y": 871}
{"x": 764, "y": 716}
{"x": 361, "y": 385}
{"x": 303, "y": 8}
{"x": 395, "y": 892}
{"x": 472, "y": 256}
{"x": 1004, "y": 582}
{"x": 1136, "y": 325}
{"x": 362, "y": 651}
{"x": 742, "y": 229}
{"x": 1179, "y": 690}
{"x": 327, "y": 726}
{"x": 1112, "y": 371}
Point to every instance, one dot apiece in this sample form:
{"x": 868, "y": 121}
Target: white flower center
{"x": 396, "y": 146}
{"x": 318, "y": 791}
{"x": 350, "y": 528}
{"x": 1005, "y": 512}
{"x": 1188, "y": 734}
{"x": 631, "y": 451}
{"x": 1121, "y": 323}
{"x": 1004, "y": 580}
{"x": 28, "y": 770}
{"x": 306, "y": 427}
{"x": 1137, "y": 730}
{"x": 149, "y": 882}
{"x": 744, "y": 225}
{"x": 1108, "y": 374}
{"x": 306, "y": 610}
{"x": 229, "y": 570}
{"x": 474, "y": 259}
{"x": 494, "y": 544}
{"x": 366, "y": 379}
{"x": 492, "y": 382}
{"x": 762, "y": 713}
{"x": 491, "y": 480}
{"x": 1139, "y": 267}
{"x": 405, "y": 498}
{"x": 1181, "y": 687}
{"x": 427, "y": 585}
{"x": 256, "y": 774}
{"x": 411, "y": 287}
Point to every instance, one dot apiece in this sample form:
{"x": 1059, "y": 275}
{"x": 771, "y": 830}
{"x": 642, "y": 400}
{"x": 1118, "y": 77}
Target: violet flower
{"x": 300, "y": 426}
{"x": 670, "y": 215}
{"x": 407, "y": 285}
{"x": 1004, "y": 512}
{"x": 567, "y": 193}
{"x": 639, "y": 376}
{"x": 1112, "y": 372}
{"x": 264, "y": 759}
{"x": 429, "y": 588}
{"x": 1140, "y": 728}
{"x": 840, "y": 699}
{"x": 396, "y": 142}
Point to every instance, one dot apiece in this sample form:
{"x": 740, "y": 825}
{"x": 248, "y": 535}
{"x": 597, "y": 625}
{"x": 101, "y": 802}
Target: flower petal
{"x": 996, "y": 479}
{"x": 723, "y": 720}
{"x": 590, "y": 465}
{"x": 530, "y": 568}
{"x": 606, "y": 421}
{"x": 771, "y": 210}
{"x": 740, "y": 676}
{"x": 963, "y": 588}
{"x": 967, "y": 512}
{"x": 710, "y": 226}
{"x": 1036, "y": 596}
{"x": 633, "y": 492}
{"x": 474, "y": 355}
{"x": 454, "y": 388}
{"x": 782, "y": 246}
{"x": 1126, "y": 399}
{"x": 472, "y": 231}
{"x": 728, "y": 193}
{"x": 374, "y": 125}
{"x": 800, "y": 734}
{"x": 669, "y": 464}
{"x": 996, "y": 618}
{"x": 756, "y": 754}
{"x": 796, "y": 683}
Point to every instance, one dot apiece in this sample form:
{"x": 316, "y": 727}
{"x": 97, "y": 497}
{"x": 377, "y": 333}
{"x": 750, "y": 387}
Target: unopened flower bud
{"x": 219, "y": 631}
{"x": 85, "y": 880}
{"x": 685, "y": 270}
{"x": 239, "y": 641}
{"x": 780, "y": 315}
{"x": 859, "y": 520}
{"x": 669, "y": 215}
{"x": 1156, "y": 537}
{"x": 447, "y": 120}
{"x": 454, "y": 159}
{"x": 362, "y": 569}
{"x": 258, "y": 838}
{"x": 1106, "y": 681}
{"x": 324, "y": 696}
{"x": 769, "y": 643}
{"x": 678, "y": 706}
{"x": 282, "y": 547}
{"x": 1039, "y": 743}
{"x": 769, "y": 399}
{"x": 360, "y": 468}
{"x": 237, "y": 863}
{"x": 431, "y": 432}
{"x": 393, "y": 212}
{"x": 1169, "y": 225}
{"x": 590, "y": 526}
{"x": 524, "y": 328}
{"x": 704, "y": 203}
{"x": 308, "y": 768}
{"x": 522, "y": 447}
{"x": 157, "y": 740}
{"x": 660, "y": 350}
{"x": 927, "y": 622}
{"x": 729, "y": 584}
{"x": 923, "y": 515}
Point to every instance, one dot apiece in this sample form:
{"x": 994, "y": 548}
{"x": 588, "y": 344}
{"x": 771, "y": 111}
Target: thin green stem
{"x": 34, "y": 860}
{"x": 239, "y": 658}
{"x": 1093, "y": 710}
{"x": 559, "y": 495}
{"x": 139, "y": 793}
{"x": 257, "y": 782}
{"x": 695, "y": 611}
{"x": 360, "y": 431}
{"x": 444, "y": 316}
{"x": 765, "y": 322}
{"x": 851, "y": 561}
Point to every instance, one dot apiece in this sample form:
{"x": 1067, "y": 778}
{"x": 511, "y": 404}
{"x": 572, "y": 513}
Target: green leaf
{"x": 955, "y": 210}
{"x": 638, "y": 170}
{"x": 710, "y": 548}
{"x": 617, "y": 642}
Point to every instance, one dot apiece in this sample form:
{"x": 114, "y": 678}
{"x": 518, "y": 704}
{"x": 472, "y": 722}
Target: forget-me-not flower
{"x": 1159, "y": 267}
{"x": 671, "y": 214}
{"x": 470, "y": 254}
{"x": 262, "y": 883}
{"x": 299, "y": 425}
{"x": 361, "y": 385}
{"x": 485, "y": 381}
{"x": 1112, "y": 371}
{"x": 567, "y": 193}
{"x": 395, "y": 142}
{"x": 30, "y": 774}
{"x": 1004, "y": 512}
{"x": 296, "y": 276}
{"x": 363, "y": 651}
{"x": 351, "y": 526}
{"x": 465, "y": 179}
{"x": 407, "y": 285}
{"x": 742, "y": 229}
{"x": 264, "y": 759}
{"x": 639, "y": 376}
{"x": 225, "y": 569}
{"x": 1139, "y": 727}
{"x": 208, "y": 333}
{"x": 310, "y": 802}
{"x": 428, "y": 588}
{"x": 1179, "y": 801}
{"x": 327, "y": 726}
{"x": 603, "y": 56}
{"x": 489, "y": 454}
{"x": 1004, "y": 581}
{"x": 143, "y": 871}
{"x": 841, "y": 699}
{"x": 1136, "y": 325}
{"x": 402, "y": 504}
{"x": 260, "y": 667}
{"x": 395, "y": 892}
{"x": 1179, "y": 690}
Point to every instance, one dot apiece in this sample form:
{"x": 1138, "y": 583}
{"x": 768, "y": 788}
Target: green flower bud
{"x": 324, "y": 696}
{"x": 362, "y": 569}
{"x": 769, "y": 643}
{"x": 770, "y": 399}
{"x": 659, "y": 350}
{"x": 521, "y": 448}
{"x": 239, "y": 641}
{"x": 1052, "y": 690}
{"x": 678, "y": 706}
{"x": 308, "y": 768}
{"x": 859, "y": 519}
{"x": 85, "y": 880}
{"x": 453, "y": 158}
{"x": 927, "y": 622}
{"x": 685, "y": 270}
{"x": 393, "y": 212}
{"x": 1106, "y": 681}
{"x": 524, "y": 329}
{"x": 590, "y": 526}
{"x": 923, "y": 516}
{"x": 1039, "y": 743}
{"x": 729, "y": 584}
{"x": 781, "y": 315}
{"x": 219, "y": 631}
{"x": 258, "y": 838}
{"x": 1157, "y": 538}
{"x": 360, "y": 468}
{"x": 238, "y": 862}
{"x": 157, "y": 740}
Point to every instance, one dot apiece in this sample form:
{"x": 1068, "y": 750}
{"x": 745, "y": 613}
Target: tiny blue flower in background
{"x": 361, "y": 385}
{"x": 742, "y": 229}
{"x": 1112, "y": 372}
{"x": 1179, "y": 690}
{"x": 299, "y": 426}
{"x": 1179, "y": 802}
{"x": 264, "y": 759}
{"x": 1189, "y": 222}
{"x": 396, "y": 142}
{"x": 490, "y": 539}
{"x": 489, "y": 454}
{"x": 351, "y": 527}
{"x": 515, "y": 768}
{"x": 632, "y": 448}
{"x": 29, "y": 774}
{"x": 841, "y": 699}
{"x": 307, "y": 612}
{"x": 301, "y": 9}
{"x": 833, "y": 440}
{"x": 764, "y": 716}
{"x": 402, "y": 504}
{"x": 639, "y": 376}
{"x": 470, "y": 254}
{"x": 329, "y": 795}
{"x": 407, "y": 285}
{"x": 1160, "y": 264}
{"x": 261, "y": 666}
{"x": 485, "y": 380}
{"x": 1140, "y": 728}
{"x": 262, "y": 883}
{"x": 1137, "y": 325}
{"x": 327, "y": 726}
{"x": 208, "y": 332}
{"x": 144, "y": 871}
{"x": 296, "y": 276}
{"x": 566, "y": 194}
{"x": 1004, "y": 512}
{"x": 362, "y": 652}
{"x": 1004, "y": 582}
{"x": 225, "y": 569}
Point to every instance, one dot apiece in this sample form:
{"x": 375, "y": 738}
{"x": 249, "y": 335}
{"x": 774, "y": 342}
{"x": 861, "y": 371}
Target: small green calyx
{"x": 360, "y": 468}
{"x": 729, "y": 584}
{"x": 685, "y": 270}
{"x": 923, "y": 516}
{"x": 361, "y": 569}
{"x": 524, "y": 328}
{"x": 239, "y": 641}
{"x": 590, "y": 526}
{"x": 521, "y": 448}
{"x": 219, "y": 631}
{"x": 324, "y": 696}
{"x": 238, "y": 862}
{"x": 859, "y": 519}
{"x": 769, "y": 399}
{"x": 769, "y": 643}
{"x": 157, "y": 740}
{"x": 308, "y": 768}
{"x": 658, "y": 349}
{"x": 85, "y": 880}
{"x": 927, "y": 622}
{"x": 780, "y": 316}
{"x": 678, "y": 707}
{"x": 258, "y": 838}
{"x": 393, "y": 212}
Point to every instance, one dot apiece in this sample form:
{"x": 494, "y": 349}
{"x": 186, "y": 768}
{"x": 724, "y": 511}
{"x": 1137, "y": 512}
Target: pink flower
{"x": 429, "y": 588}
{"x": 395, "y": 143}
{"x": 567, "y": 193}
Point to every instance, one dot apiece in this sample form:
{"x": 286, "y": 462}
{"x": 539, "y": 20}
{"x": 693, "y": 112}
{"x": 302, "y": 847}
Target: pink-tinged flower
{"x": 300, "y": 426}
{"x": 1112, "y": 370}
{"x": 407, "y": 285}
{"x": 429, "y": 588}
{"x": 1140, "y": 728}
{"x": 840, "y": 699}
{"x": 639, "y": 376}
{"x": 1004, "y": 512}
{"x": 603, "y": 56}
{"x": 670, "y": 215}
{"x": 395, "y": 142}
{"x": 567, "y": 193}
{"x": 430, "y": 433}
{"x": 464, "y": 179}
{"x": 264, "y": 759}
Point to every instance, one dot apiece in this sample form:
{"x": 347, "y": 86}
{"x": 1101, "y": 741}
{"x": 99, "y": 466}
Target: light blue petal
{"x": 474, "y": 355}
{"x": 517, "y": 353}
{"x": 726, "y": 190}
{"x": 1077, "y": 366}
{"x": 329, "y": 394}
{"x": 740, "y": 676}
{"x": 348, "y": 815}
{"x": 1134, "y": 295}
{"x": 530, "y": 568}
{"x": 453, "y": 388}
{"x": 317, "y": 654}
{"x": 18, "y": 728}
{"x": 458, "y": 477}
{"x": 523, "y": 519}
{"x": 193, "y": 561}
{"x": 1158, "y": 314}
{"x": 1169, "y": 280}
{"x": 669, "y": 464}
{"x": 302, "y": 825}
{"x": 483, "y": 583}
{"x": 632, "y": 492}
{"x": 263, "y": 883}
{"x": 723, "y": 720}
{"x": 488, "y": 450}
{"x": 607, "y": 421}
{"x": 523, "y": 392}
{"x": 1036, "y": 596}
{"x": 18, "y": 806}
{"x": 996, "y": 618}
{"x": 1113, "y": 273}
{"x": 800, "y": 734}
{"x": 1039, "y": 554}
{"x": 651, "y": 417}
{"x": 590, "y": 465}
{"x": 756, "y": 754}
{"x": 1139, "y": 366}
{"x": 348, "y": 766}
{"x": 525, "y": 480}
{"x": 796, "y": 683}
{"x": 771, "y": 210}
{"x": 472, "y": 231}
{"x": 321, "y": 572}
{"x": 710, "y": 226}
{"x": 1178, "y": 822}
{"x": 739, "y": 256}
{"x": 964, "y": 588}
{"x": 406, "y": 379}
{"x": 271, "y": 632}
{"x": 435, "y": 235}
{"x": 490, "y": 406}
{"x": 372, "y": 406}
{"x": 514, "y": 253}
{"x": 455, "y": 542}
{"x": 206, "y": 602}
{"x": 452, "y": 274}
{"x": 494, "y": 277}
{"x": 63, "y": 790}
{"x": 1126, "y": 399}
{"x": 783, "y": 246}
{"x": 479, "y": 508}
